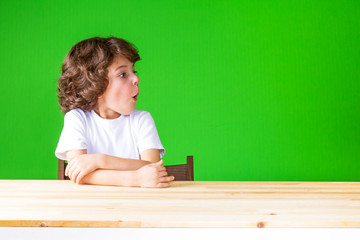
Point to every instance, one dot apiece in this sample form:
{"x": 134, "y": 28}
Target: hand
{"x": 82, "y": 165}
{"x": 154, "y": 176}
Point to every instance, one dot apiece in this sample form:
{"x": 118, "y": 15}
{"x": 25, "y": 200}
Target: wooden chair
{"x": 181, "y": 172}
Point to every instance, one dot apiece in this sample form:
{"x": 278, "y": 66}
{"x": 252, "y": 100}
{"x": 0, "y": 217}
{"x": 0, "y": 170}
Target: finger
{"x": 69, "y": 172}
{"x": 167, "y": 179}
{"x": 66, "y": 170}
{"x": 68, "y": 167}
{"x": 74, "y": 174}
{"x": 74, "y": 178}
{"x": 71, "y": 175}
{"x": 161, "y": 168}
{"x": 160, "y": 162}
{"x": 163, "y": 174}
{"x": 80, "y": 177}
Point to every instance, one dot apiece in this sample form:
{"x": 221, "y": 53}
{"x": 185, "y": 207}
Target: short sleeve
{"x": 148, "y": 137}
{"x": 73, "y": 134}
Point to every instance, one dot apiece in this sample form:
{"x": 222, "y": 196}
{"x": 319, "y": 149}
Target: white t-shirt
{"x": 126, "y": 136}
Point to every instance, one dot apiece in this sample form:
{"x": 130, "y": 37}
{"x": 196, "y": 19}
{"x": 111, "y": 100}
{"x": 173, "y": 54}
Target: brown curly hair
{"x": 84, "y": 71}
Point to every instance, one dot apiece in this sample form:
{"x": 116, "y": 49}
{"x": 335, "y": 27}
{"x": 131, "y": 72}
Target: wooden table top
{"x": 60, "y": 203}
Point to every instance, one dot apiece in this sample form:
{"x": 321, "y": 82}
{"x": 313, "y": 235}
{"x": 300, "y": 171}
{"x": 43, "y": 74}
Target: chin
{"x": 128, "y": 112}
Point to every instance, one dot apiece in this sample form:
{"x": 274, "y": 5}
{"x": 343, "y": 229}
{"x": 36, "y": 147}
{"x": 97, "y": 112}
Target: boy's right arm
{"x": 153, "y": 175}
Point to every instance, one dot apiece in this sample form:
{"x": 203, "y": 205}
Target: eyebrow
{"x": 122, "y": 67}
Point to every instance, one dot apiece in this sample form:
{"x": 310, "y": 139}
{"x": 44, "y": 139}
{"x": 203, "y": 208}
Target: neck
{"x": 106, "y": 113}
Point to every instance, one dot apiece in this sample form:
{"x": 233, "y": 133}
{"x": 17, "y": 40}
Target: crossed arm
{"x": 101, "y": 169}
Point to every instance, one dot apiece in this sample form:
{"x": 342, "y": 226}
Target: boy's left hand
{"x": 82, "y": 165}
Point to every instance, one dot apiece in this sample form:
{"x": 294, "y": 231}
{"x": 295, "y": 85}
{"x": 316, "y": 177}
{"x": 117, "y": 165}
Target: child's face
{"x": 121, "y": 94}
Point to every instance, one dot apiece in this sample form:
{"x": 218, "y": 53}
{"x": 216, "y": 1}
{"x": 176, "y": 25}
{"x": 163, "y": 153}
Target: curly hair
{"x": 84, "y": 71}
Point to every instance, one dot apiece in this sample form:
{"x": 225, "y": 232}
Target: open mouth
{"x": 135, "y": 97}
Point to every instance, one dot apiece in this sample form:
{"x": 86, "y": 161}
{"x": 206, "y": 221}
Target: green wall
{"x": 255, "y": 90}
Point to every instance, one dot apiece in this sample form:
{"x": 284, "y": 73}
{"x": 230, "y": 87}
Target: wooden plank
{"x": 186, "y": 204}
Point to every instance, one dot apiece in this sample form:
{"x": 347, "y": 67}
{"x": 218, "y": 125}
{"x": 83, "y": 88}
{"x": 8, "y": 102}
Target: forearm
{"x": 101, "y": 169}
{"x": 116, "y": 163}
{"x": 112, "y": 178}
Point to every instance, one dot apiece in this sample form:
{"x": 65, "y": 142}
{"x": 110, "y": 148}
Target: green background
{"x": 254, "y": 90}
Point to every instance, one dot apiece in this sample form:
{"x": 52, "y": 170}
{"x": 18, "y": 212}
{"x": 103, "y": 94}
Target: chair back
{"x": 182, "y": 172}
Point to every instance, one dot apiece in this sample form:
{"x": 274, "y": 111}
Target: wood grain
{"x": 60, "y": 203}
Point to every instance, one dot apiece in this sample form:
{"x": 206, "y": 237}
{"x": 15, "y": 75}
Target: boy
{"x": 104, "y": 139}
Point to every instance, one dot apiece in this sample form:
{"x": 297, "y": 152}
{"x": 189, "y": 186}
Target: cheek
{"x": 126, "y": 90}
{"x": 118, "y": 91}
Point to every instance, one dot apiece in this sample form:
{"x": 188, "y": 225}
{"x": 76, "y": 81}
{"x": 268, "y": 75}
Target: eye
{"x": 135, "y": 72}
{"x": 122, "y": 75}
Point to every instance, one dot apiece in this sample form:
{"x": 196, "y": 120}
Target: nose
{"x": 135, "y": 79}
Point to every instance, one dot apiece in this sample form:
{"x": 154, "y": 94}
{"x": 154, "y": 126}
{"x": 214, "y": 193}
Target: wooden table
{"x": 60, "y": 203}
